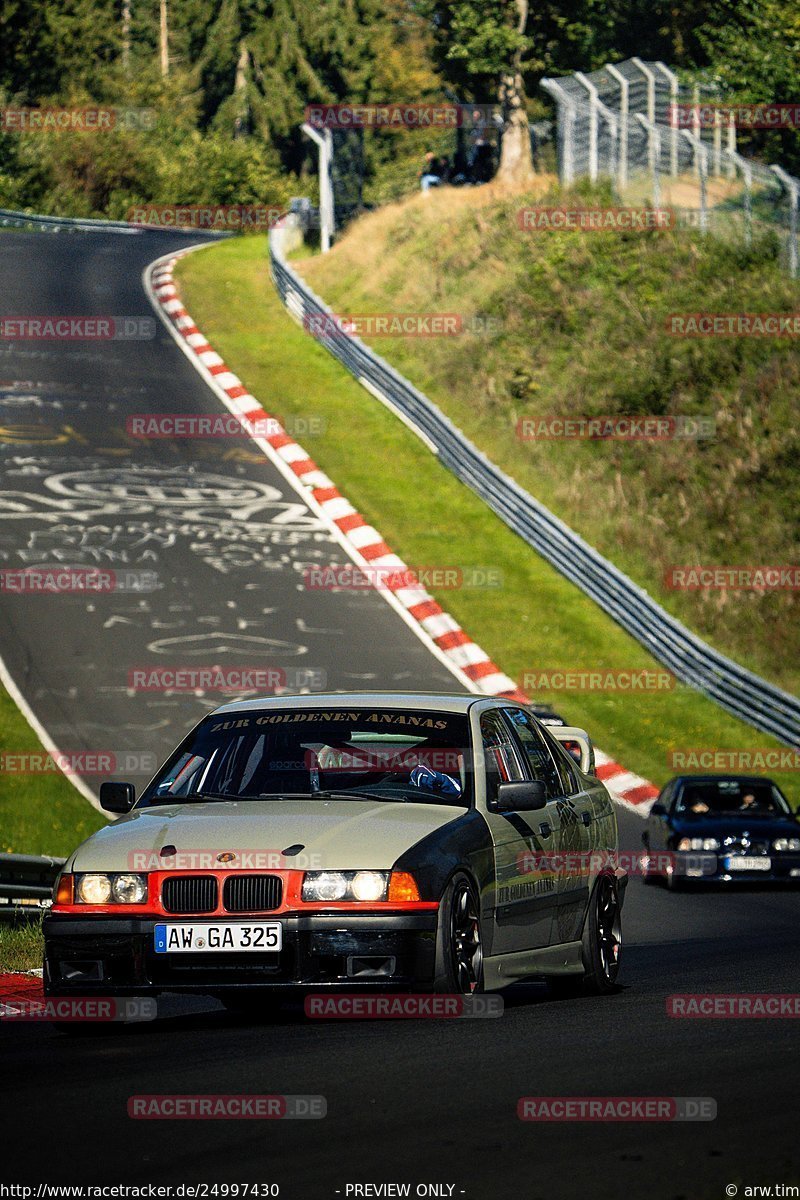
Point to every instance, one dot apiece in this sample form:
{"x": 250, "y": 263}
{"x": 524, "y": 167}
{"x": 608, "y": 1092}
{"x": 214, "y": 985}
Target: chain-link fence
{"x": 635, "y": 123}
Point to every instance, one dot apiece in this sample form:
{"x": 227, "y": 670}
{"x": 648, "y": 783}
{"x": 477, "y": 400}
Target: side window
{"x": 563, "y": 761}
{"x": 499, "y": 754}
{"x": 536, "y": 751}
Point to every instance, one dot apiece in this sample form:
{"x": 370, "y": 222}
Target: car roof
{"x": 455, "y": 702}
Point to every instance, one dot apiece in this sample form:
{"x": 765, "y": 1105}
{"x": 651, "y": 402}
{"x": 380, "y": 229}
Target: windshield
{"x": 743, "y": 797}
{"x": 361, "y": 753}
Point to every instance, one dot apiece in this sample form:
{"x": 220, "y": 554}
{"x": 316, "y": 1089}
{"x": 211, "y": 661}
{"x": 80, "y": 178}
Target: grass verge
{"x": 21, "y": 946}
{"x": 42, "y": 813}
{"x": 536, "y": 620}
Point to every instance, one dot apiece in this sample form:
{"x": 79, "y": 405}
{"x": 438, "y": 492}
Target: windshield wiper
{"x": 347, "y": 795}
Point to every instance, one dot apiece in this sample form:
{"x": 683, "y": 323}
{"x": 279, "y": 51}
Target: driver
{"x": 434, "y": 781}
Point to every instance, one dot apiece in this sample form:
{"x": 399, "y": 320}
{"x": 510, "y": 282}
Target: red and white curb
{"x": 444, "y": 636}
{"x": 22, "y": 986}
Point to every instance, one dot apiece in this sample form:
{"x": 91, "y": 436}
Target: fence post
{"x": 566, "y": 128}
{"x": 731, "y": 145}
{"x": 696, "y": 123}
{"x": 651, "y": 107}
{"x": 792, "y": 186}
{"x": 673, "y": 104}
{"x": 717, "y": 142}
{"x": 655, "y": 138}
{"x": 327, "y": 216}
{"x": 622, "y": 176}
{"x": 593, "y": 122}
{"x": 701, "y": 165}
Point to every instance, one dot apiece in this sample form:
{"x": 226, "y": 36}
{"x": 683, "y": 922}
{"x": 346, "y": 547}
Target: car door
{"x": 579, "y": 841}
{"x": 570, "y": 817}
{"x": 525, "y": 891}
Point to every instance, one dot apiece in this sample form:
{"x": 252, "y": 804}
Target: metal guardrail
{"x": 10, "y": 218}
{"x": 691, "y": 660}
{"x": 26, "y": 883}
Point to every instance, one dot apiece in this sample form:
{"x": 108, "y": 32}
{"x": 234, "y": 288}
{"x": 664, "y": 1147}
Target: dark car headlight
{"x": 698, "y": 843}
{"x": 786, "y": 843}
{"x": 100, "y": 888}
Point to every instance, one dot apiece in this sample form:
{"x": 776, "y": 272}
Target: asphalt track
{"x": 422, "y": 1102}
{"x": 226, "y": 538}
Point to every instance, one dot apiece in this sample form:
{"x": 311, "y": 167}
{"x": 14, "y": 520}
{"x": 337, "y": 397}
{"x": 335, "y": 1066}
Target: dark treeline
{"x": 229, "y": 79}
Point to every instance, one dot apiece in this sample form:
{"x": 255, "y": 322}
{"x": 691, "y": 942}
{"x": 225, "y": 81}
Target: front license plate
{"x": 748, "y": 863}
{"x": 215, "y": 939}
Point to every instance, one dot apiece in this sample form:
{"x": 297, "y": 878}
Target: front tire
{"x": 459, "y": 944}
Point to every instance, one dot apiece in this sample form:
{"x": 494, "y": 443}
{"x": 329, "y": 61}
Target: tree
{"x": 481, "y": 45}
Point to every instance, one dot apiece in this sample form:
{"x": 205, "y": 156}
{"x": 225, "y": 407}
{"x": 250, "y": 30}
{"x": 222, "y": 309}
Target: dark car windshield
{"x": 744, "y": 797}
{"x": 378, "y": 754}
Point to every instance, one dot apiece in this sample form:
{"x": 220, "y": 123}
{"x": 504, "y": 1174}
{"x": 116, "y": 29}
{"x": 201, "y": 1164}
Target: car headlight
{"x": 129, "y": 889}
{"x": 786, "y": 844}
{"x": 369, "y": 885}
{"x": 111, "y": 889}
{"x": 698, "y": 843}
{"x": 345, "y": 885}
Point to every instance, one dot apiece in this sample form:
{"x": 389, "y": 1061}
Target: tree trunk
{"x": 126, "y": 34}
{"x": 516, "y": 160}
{"x": 164, "y": 39}
{"x": 241, "y": 120}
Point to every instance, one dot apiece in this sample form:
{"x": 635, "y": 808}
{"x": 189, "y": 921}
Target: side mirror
{"x": 574, "y": 739}
{"x": 117, "y": 797}
{"x": 523, "y": 796}
{"x": 658, "y": 809}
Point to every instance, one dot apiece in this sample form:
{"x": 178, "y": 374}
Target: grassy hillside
{"x": 534, "y": 619}
{"x": 583, "y": 334}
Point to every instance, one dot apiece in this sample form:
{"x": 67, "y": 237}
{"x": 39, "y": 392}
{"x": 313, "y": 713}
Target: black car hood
{"x": 736, "y": 824}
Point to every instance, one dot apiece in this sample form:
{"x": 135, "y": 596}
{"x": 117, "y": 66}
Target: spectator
{"x": 430, "y": 175}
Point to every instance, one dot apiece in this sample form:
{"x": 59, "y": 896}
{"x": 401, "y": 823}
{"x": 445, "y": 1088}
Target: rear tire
{"x": 601, "y": 944}
{"x": 459, "y": 944}
{"x": 602, "y": 937}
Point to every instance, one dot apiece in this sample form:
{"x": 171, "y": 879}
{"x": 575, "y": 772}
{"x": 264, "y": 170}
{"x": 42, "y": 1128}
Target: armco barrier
{"x": 10, "y": 218}
{"x": 691, "y": 660}
{"x": 26, "y": 882}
